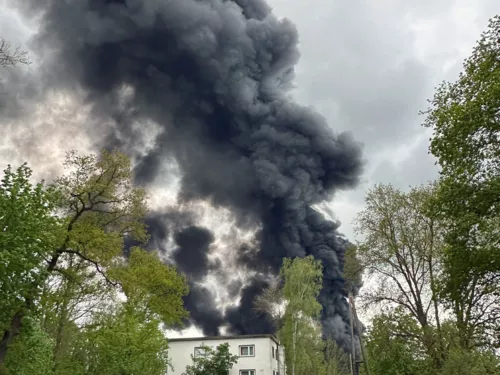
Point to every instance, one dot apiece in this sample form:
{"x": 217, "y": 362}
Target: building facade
{"x": 257, "y": 354}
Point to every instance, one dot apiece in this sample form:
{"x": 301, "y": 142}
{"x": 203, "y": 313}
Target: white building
{"x": 258, "y": 354}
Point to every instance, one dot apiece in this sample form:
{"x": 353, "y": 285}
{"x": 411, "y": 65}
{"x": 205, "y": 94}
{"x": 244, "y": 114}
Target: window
{"x": 247, "y": 372}
{"x": 273, "y": 351}
{"x": 247, "y": 351}
{"x": 199, "y": 351}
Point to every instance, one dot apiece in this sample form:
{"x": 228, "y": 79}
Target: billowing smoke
{"x": 214, "y": 75}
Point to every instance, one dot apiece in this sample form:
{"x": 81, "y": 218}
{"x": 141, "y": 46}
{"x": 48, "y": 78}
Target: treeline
{"x": 71, "y": 301}
{"x": 435, "y": 250}
{"x": 431, "y": 255}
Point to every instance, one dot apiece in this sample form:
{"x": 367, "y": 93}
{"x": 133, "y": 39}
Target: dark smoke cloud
{"x": 243, "y": 319}
{"x": 191, "y": 256}
{"x": 203, "y": 310}
{"x": 214, "y": 75}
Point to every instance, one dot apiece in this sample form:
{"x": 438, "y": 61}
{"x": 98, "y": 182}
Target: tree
{"x": 10, "y": 57}
{"x": 395, "y": 347}
{"x": 124, "y": 343}
{"x": 336, "y": 359}
{"x": 212, "y": 362}
{"x": 465, "y": 119}
{"x": 99, "y": 207}
{"x": 154, "y": 288}
{"x": 300, "y": 334}
{"x": 69, "y": 303}
{"x": 402, "y": 246}
{"x": 467, "y": 362}
{"x": 272, "y": 302}
{"x": 30, "y": 352}
{"x": 353, "y": 270}
{"x": 324, "y": 356}
{"x": 64, "y": 262}
{"x": 29, "y": 232}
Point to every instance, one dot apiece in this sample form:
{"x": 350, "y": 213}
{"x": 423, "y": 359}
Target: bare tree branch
{"x": 10, "y": 57}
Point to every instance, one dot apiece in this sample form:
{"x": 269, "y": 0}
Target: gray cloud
{"x": 369, "y": 67}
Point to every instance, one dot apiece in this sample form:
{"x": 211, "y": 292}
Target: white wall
{"x": 263, "y": 363}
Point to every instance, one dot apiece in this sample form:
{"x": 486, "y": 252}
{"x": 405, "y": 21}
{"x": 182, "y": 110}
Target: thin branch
{"x": 10, "y": 57}
{"x": 96, "y": 265}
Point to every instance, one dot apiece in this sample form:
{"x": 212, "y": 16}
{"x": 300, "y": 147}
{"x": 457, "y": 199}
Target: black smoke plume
{"x": 191, "y": 257}
{"x": 215, "y": 75}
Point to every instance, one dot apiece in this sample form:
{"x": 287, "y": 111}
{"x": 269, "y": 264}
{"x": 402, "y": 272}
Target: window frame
{"x": 196, "y": 348}
{"x": 246, "y": 346}
{"x": 248, "y": 371}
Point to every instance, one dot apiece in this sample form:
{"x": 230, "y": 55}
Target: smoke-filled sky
{"x": 199, "y": 95}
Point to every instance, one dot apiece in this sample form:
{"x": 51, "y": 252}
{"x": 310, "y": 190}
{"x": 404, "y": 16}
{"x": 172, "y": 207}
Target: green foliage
{"x": 294, "y": 310}
{"x": 464, "y": 116}
{"x": 212, "y": 362}
{"x": 353, "y": 270}
{"x": 336, "y": 360}
{"x": 28, "y": 233}
{"x": 394, "y": 346}
{"x": 30, "y": 353}
{"x": 123, "y": 343}
{"x": 303, "y": 278}
{"x": 300, "y": 334}
{"x": 61, "y": 259}
{"x": 402, "y": 247}
{"x": 153, "y": 286}
{"x": 101, "y": 207}
{"x": 463, "y": 362}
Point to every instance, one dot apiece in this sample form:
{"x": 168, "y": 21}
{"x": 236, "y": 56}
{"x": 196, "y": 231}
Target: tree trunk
{"x": 16, "y": 324}
{"x": 442, "y": 354}
{"x": 294, "y": 345}
{"x": 60, "y": 332}
{"x": 10, "y": 334}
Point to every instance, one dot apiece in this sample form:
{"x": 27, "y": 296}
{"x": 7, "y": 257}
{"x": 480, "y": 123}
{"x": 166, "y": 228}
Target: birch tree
{"x": 300, "y": 334}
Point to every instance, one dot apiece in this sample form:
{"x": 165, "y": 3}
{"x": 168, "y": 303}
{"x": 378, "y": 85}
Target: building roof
{"x": 207, "y": 338}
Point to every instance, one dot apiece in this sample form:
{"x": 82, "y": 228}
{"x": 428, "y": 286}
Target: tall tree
{"x": 99, "y": 207}
{"x": 30, "y": 352}
{"x": 71, "y": 300}
{"x": 395, "y": 347}
{"x": 402, "y": 247}
{"x": 353, "y": 270}
{"x": 465, "y": 119}
{"x": 301, "y": 338}
{"x": 154, "y": 288}
{"x": 63, "y": 260}
{"x": 28, "y": 233}
{"x": 121, "y": 342}
{"x": 336, "y": 359}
